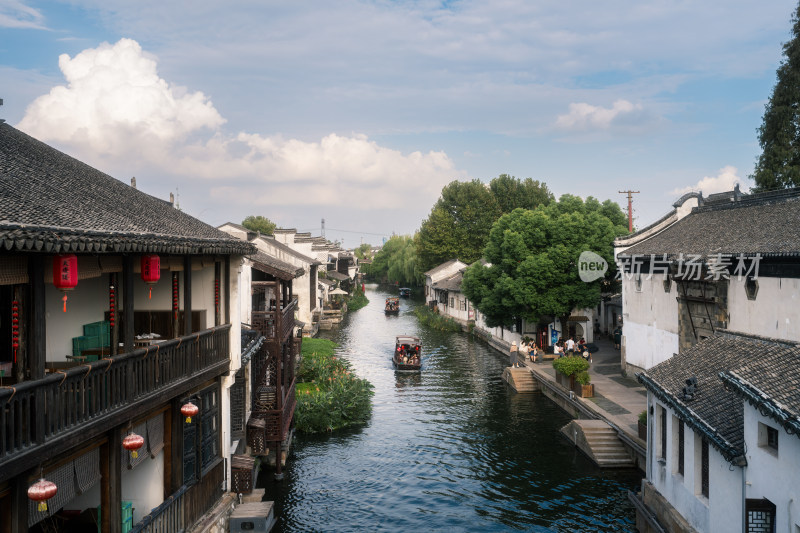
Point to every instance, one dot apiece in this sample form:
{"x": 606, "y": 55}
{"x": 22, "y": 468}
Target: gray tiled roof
{"x": 438, "y": 268}
{"x": 54, "y": 203}
{"x": 276, "y": 267}
{"x": 453, "y": 283}
{"x": 766, "y": 223}
{"x": 332, "y": 274}
{"x": 719, "y": 410}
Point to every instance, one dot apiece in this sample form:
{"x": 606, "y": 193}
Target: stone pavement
{"x": 617, "y": 399}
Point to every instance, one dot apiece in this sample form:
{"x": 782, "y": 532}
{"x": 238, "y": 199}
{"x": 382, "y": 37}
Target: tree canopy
{"x": 532, "y": 260}
{"x": 396, "y": 262}
{"x": 779, "y": 134}
{"x": 260, "y": 224}
{"x": 459, "y": 223}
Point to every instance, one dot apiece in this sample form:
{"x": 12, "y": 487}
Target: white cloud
{"x": 15, "y": 14}
{"x": 116, "y": 109}
{"x": 584, "y": 117}
{"x": 725, "y": 180}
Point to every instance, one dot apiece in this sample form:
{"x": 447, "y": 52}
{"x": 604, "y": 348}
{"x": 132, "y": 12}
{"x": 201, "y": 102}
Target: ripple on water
{"x": 447, "y": 449}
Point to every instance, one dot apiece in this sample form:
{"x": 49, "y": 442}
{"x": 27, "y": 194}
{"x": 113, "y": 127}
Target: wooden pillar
{"x": 187, "y": 294}
{"x": 113, "y": 289}
{"x": 173, "y": 455}
{"x": 217, "y": 293}
{"x": 127, "y": 303}
{"x": 38, "y": 330}
{"x": 19, "y": 501}
{"x": 111, "y": 483}
{"x": 227, "y": 286}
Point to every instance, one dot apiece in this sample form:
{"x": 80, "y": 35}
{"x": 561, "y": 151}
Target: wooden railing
{"x": 74, "y": 400}
{"x": 265, "y": 321}
{"x": 166, "y": 518}
{"x": 277, "y": 421}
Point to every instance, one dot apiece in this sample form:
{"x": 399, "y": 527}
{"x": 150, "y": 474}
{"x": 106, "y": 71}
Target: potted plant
{"x": 583, "y": 388}
{"x": 643, "y": 425}
{"x": 567, "y": 368}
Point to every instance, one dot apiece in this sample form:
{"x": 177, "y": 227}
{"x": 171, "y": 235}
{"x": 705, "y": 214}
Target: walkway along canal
{"x": 452, "y": 448}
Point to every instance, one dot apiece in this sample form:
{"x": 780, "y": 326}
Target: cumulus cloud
{"x": 583, "y": 117}
{"x": 725, "y": 180}
{"x": 117, "y": 109}
{"x": 15, "y": 14}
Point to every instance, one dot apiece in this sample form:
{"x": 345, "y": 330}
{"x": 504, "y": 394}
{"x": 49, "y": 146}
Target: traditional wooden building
{"x": 116, "y": 314}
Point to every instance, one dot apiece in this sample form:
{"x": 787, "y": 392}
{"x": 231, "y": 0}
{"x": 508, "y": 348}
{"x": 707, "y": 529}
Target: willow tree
{"x": 779, "y": 135}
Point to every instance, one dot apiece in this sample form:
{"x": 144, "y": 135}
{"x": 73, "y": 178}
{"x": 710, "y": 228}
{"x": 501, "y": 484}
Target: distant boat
{"x": 392, "y": 306}
{"x": 407, "y": 354}
{"x": 405, "y": 292}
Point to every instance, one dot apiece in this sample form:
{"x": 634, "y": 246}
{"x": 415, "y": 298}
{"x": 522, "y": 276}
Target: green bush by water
{"x": 329, "y": 395}
{"x": 435, "y": 320}
{"x": 571, "y": 365}
{"x": 358, "y": 300}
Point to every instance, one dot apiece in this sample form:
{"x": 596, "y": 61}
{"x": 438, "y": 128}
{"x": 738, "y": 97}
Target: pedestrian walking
{"x": 514, "y": 355}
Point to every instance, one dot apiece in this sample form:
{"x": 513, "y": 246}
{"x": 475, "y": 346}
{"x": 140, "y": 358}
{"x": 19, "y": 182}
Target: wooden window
{"x": 760, "y": 516}
{"x": 772, "y": 438}
{"x": 704, "y": 474}
{"x": 681, "y": 452}
{"x": 768, "y": 438}
{"x": 201, "y": 436}
{"x": 238, "y": 405}
{"x": 663, "y": 429}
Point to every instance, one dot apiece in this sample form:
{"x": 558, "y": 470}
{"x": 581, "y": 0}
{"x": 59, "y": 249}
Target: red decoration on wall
{"x": 65, "y": 274}
{"x": 189, "y": 410}
{"x": 15, "y": 327}
{"x": 112, "y": 306}
{"x": 175, "y": 297}
{"x": 132, "y": 443}
{"x": 41, "y": 491}
{"x": 216, "y": 296}
{"x": 151, "y": 270}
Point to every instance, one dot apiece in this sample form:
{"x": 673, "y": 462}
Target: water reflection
{"x": 447, "y": 449}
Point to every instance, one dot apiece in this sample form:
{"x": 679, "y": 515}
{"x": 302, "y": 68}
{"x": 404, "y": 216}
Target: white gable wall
{"x": 649, "y": 322}
{"x": 774, "y": 313}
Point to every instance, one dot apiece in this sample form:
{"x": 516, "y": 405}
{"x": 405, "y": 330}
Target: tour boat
{"x": 405, "y": 292}
{"x": 407, "y": 354}
{"x": 392, "y": 306}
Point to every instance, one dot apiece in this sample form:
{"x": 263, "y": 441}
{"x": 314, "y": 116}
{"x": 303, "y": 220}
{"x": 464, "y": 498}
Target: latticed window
{"x": 760, "y": 516}
{"x": 704, "y": 468}
{"x": 201, "y": 436}
{"x": 680, "y": 447}
{"x": 238, "y": 405}
{"x": 663, "y": 430}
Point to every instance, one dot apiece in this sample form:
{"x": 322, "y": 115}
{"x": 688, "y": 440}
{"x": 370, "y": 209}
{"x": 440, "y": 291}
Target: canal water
{"x": 452, "y": 448}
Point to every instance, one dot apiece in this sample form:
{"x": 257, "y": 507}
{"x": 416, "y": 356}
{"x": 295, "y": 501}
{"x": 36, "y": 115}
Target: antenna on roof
{"x": 323, "y": 228}
{"x": 1, "y": 103}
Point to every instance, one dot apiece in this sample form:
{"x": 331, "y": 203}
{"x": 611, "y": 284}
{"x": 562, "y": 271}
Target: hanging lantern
{"x": 216, "y": 296}
{"x": 132, "y": 443}
{"x": 151, "y": 270}
{"x": 15, "y": 327}
{"x": 41, "y": 491}
{"x": 189, "y": 410}
{"x": 65, "y": 274}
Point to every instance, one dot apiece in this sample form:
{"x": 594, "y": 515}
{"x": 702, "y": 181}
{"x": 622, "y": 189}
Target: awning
{"x": 578, "y": 318}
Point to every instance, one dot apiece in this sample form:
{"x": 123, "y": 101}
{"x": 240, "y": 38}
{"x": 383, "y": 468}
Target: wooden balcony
{"x": 40, "y": 419}
{"x": 267, "y": 322}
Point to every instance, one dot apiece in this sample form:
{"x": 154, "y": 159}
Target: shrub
{"x": 570, "y": 365}
{"x": 643, "y": 417}
{"x": 435, "y": 320}
{"x": 329, "y": 396}
{"x": 358, "y": 299}
{"x": 583, "y": 377}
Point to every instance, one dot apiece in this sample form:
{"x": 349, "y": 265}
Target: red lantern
{"x": 41, "y": 491}
{"x": 112, "y": 306}
{"x": 189, "y": 410}
{"x": 151, "y": 270}
{"x": 132, "y": 443}
{"x": 175, "y": 296}
{"x": 15, "y": 327}
{"x": 65, "y": 274}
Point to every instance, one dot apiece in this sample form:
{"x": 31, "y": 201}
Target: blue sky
{"x": 359, "y": 112}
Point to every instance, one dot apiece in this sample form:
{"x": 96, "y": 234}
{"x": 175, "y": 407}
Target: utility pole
{"x": 323, "y": 228}
{"x": 630, "y": 208}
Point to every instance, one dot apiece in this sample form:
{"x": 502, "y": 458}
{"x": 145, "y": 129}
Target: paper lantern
{"x": 15, "y": 327}
{"x": 151, "y": 270}
{"x": 112, "y": 306}
{"x": 132, "y": 443}
{"x": 65, "y": 274}
{"x": 189, "y": 410}
{"x": 41, "y": 491}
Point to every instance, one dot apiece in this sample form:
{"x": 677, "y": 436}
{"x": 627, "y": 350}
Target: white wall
{"x": 771, "y": 475}
{"x": 722, "y": 510}
{"x": 650, "y": 321}
{"x": 774, "y": 313}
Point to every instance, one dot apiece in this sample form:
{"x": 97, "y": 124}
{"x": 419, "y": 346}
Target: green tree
{"x": 779, "y": 134}
{"x": 396, "y": 262}
{"x": 363, "y": 251}
{"x": 458, "y": 225}
{"x": 532, "y": 260}
{"x": 512, "y": 193}
{"x": 260, "y": 224}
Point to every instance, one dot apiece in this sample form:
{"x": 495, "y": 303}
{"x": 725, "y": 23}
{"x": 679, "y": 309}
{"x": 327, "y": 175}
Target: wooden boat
{"x": 407, "y": 354}
{"x": 405, "y": 292}
{"x": 392, "y": 306}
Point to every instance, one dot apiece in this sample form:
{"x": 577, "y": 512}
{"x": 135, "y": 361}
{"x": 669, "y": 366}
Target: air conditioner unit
{"x": 254, "y": 517}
